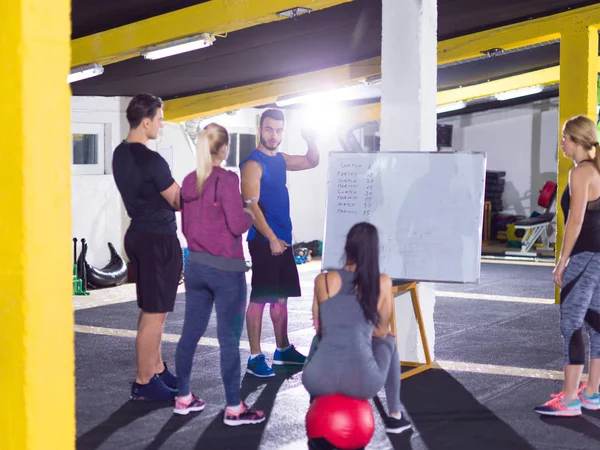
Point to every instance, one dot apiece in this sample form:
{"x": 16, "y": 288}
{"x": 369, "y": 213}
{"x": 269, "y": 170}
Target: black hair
{"x": 142, "y": 106}
{"x": 274, "y": 114}
{"x": 362, "y": 249}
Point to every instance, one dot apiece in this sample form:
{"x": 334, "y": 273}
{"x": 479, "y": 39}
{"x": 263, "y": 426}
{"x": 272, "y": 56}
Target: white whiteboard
{"x": 427, "y": 207}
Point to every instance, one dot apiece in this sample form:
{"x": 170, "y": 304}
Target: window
{"x": 241, "y": 144}
{"x": 87, "y": 155}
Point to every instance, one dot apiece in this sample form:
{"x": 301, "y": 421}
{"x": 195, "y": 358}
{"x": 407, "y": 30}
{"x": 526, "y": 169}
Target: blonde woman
{"x": 577, "y": 272}
{"x": 213, "y": 221}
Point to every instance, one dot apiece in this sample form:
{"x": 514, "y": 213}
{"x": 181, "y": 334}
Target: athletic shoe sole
{"x": 259, "y": 376}
{"x": 235, "y": 423}
{"x": 144, "y": 399}
{"x": 560, "y": 413}
{"x": 287, "y": 363}
{"x": 397, "y": 430}
{"x": 185, "y": 412}
{"x": 591, "y": 407}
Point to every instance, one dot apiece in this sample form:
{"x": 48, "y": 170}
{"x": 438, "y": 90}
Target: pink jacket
{"x": 214, "y": 221}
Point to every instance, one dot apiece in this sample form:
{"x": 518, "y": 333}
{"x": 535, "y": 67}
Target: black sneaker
{"x": 155, "y": 390}
{"x": 246, "y": 416}
{"x": 396, "y": 426}
{"x": 168, "y": 379}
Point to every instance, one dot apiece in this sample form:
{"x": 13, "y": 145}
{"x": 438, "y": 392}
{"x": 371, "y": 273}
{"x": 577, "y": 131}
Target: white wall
{"x": 176, "y": 147}
{"x": 244, "y": 118}
{"x": 96, "y": 209}
{"x": 521, "y": 140}
{"x": 308, "y": 188}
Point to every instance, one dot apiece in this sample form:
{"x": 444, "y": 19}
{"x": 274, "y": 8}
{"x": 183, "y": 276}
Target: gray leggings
{"x": 321, "y": 376}
{"x": 579, "y": 303}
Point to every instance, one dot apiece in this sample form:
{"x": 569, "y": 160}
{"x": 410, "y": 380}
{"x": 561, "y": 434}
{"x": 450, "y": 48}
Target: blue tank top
{"x": 274, "y": 199}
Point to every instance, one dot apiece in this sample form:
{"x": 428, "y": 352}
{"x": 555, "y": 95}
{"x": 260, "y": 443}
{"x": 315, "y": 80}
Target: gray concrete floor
{"x": 502, "y": 357}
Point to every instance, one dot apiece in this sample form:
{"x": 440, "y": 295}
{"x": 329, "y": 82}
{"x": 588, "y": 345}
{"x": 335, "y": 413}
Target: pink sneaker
{"x": 558, "y": 406}
{"x": 193, "y": 405}
{"x": 246, "y": 416}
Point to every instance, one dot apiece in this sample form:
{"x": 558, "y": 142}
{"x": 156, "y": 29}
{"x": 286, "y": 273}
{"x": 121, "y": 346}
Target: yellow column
{"x": 578, "y": 95}
{"x": 36, "y": 316}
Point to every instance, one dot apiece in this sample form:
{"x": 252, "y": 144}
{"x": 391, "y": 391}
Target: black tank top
{"x": 589, "y": 237}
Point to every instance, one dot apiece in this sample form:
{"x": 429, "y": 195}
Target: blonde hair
{"x": 208, "y": 143}
{"x": 583, "y": 131}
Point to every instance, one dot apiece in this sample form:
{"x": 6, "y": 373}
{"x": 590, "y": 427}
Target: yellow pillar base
{"x": 36, "y": 315}
{"x": 578, "y": 95}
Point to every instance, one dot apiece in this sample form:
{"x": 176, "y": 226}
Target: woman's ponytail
{"x": 204, "y": 160}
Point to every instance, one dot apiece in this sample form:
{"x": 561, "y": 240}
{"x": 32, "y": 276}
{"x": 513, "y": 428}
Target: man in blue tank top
{"x": 274, "y": 271}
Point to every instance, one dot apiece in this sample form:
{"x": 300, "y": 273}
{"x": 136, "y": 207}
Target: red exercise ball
{"x": 346, "y": 423}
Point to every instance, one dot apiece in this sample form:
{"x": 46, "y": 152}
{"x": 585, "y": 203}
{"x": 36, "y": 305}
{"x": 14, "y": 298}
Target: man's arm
{"x": 251, "y": 173}
{"x": 172, "y": 196}
{"x": 237, "y": 219}
{"x": 164, "y": 182}
{"x": 308, "y": 161}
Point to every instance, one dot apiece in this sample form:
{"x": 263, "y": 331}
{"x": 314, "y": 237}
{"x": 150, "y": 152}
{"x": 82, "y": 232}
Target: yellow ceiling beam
{"x": 224, "y": 16}
{"x": 215, "y": 16}
{"x": 517, "y": 35}
{"x": 551, "y": 75}
{"x": 465, "y": 47}
{"x": 542, "y": 77}
{"x": 355, "y": 115}
{"x": 218, "y": 102}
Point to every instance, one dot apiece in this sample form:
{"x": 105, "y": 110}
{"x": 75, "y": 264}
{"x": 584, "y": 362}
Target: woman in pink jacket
{"x": 213, "y": 221}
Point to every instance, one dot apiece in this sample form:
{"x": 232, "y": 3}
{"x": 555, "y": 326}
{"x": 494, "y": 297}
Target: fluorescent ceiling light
{"x": 83, "y": 72}
{"x": 317, "y": 97}
{"x": 347, "y": 93}
{"x": 450, "y": 107}
{"x": 374, "y": 80}
{"x": 179, "y": 46}
{"x": 519, "y": 93}
{"x": 294, "y": 12}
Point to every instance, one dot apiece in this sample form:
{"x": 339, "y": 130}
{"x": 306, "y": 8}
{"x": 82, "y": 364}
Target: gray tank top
{"x": 343, "y": 324}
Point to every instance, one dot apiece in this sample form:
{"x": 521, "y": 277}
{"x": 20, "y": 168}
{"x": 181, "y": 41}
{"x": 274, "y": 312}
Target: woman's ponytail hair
{"x": 597, "y": 155}
{"x": 208, "y": 143}
{"x": 204, "y": 160}
{"x": 583, "y": 131}
{"x": 362, "y": 249}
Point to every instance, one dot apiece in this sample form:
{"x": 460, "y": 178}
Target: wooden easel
{"x": 418, "y": 367}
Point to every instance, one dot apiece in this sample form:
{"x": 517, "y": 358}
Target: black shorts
{"x": 157, "y": 262}
{"x": 273, "y": 277}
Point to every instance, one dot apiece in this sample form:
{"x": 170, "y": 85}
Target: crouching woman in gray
{"x": 354, "y": 354}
